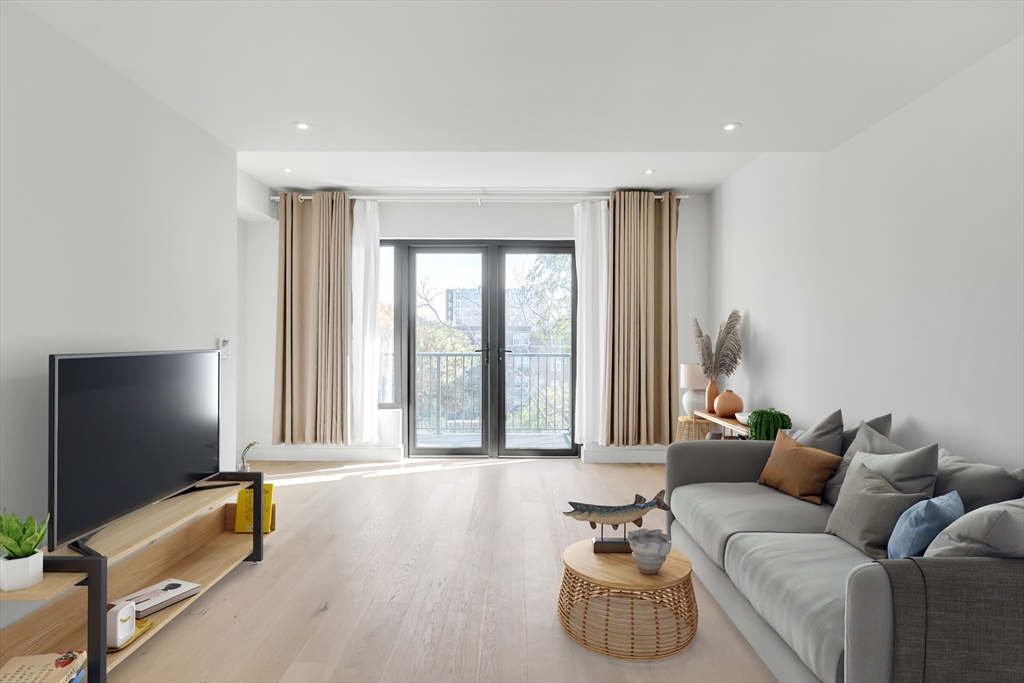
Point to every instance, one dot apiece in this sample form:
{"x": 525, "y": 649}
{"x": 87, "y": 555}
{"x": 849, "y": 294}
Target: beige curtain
{"x": 641, "y": 364}
{"x": 312, "y": 320}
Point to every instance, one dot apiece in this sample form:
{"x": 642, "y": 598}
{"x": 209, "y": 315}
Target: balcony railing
{"x": 538, "y": 392}
{"x": 448, "y": 389}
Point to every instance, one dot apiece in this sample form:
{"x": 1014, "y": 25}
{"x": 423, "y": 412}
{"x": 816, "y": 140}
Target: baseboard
{"x": 784, "y": 664}
{"x": 592, "y": 452}
{"x": 328, "y": 453}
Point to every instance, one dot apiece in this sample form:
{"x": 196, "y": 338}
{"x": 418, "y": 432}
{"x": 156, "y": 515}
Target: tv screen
{"x": 127, "y": 430}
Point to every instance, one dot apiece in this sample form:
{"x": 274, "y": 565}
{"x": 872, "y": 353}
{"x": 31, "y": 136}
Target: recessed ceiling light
{"x": 731, "y": 126}
{"x": 649, "y": 171}
{"x": 287, "y": 170}
{"x": 302, "y": 125}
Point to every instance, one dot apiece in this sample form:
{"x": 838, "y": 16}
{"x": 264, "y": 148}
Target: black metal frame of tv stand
{"x": 94, "y": 566}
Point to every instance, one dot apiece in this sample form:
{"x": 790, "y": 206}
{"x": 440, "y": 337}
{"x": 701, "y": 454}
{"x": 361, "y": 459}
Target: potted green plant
{"x": 764, "y": 425}
{"x": 22, "y": 564}
{"x": 244, "y": 466}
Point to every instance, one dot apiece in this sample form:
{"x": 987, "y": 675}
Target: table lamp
{"x": 692, "y": 377}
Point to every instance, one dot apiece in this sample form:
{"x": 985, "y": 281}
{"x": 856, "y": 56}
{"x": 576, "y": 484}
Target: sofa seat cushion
{"x": 712, "y": 512}
{"x": 797, "y": 583}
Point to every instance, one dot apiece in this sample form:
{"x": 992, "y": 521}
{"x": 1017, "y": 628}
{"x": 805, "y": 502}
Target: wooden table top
{"x": 618, "y": 570}
{"x": 728, "y": 422}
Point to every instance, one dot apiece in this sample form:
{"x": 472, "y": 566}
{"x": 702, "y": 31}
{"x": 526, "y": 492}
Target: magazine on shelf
{"x": 56, "y": 667}
{"x": 158, "y": 596}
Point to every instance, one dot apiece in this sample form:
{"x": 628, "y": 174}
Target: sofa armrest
{"x": 870, "y": 628}
{"x": 948, "y": 618}
{"x": 698, "y": 462}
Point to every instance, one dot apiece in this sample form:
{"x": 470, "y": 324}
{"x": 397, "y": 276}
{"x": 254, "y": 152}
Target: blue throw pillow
{"x": 918, "y": 526}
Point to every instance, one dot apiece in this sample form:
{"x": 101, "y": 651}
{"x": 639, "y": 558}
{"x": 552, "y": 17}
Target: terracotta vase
{"x": 710, "y": 396}
{"x": 728, "y": 404}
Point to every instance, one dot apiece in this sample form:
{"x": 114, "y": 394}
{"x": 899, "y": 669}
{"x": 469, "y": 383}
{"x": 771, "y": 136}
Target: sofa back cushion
{"x": 868, "y": 510}
{"x": 825, "y": 435}
{"x": 881, "y": 424}
{"x": 800, "y": 471}
{"x": 995, "y": 530}
{"x": 867, "y": 439}
{"x": 977, "y": 483}
{"x": 909, "y": 472}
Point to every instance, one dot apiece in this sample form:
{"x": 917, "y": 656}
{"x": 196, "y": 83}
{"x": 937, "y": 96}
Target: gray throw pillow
{"x": 995, "y": 530}
{"x": 869, "y": 440}
{"x": 977, "y": 483}
{"x": 826, "y": 435}
{"x": 909, "y": 472}
{"x": 868, "y": 510}
{"x": 881, "y": 424}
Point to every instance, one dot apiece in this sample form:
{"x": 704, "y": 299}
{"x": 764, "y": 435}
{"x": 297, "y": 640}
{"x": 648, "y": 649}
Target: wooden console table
{"x": 184, "y": 537}
{"x": 729, "y": 423}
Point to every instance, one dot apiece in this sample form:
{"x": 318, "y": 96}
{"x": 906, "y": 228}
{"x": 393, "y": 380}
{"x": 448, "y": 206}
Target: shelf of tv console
{"x": 187, "y": 537}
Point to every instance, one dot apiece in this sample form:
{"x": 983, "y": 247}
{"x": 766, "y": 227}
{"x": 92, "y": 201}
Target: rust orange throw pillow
{"x": 800, "y": 471}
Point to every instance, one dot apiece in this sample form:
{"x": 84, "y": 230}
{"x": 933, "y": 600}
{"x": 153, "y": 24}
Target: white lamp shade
{"x": 691, "y": 376}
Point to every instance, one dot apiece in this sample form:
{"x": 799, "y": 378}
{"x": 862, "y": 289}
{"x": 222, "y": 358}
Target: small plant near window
{"x": 245, "y": 451}
{"x": 765, "y": 424}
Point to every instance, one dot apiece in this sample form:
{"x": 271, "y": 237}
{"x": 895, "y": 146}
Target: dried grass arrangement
{"x": 723, "y": 358}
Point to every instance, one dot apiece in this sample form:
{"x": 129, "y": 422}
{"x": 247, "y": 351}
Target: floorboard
{"x": 424, "y": 570}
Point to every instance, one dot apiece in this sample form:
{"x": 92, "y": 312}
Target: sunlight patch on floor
{"x": 327, "y": 475}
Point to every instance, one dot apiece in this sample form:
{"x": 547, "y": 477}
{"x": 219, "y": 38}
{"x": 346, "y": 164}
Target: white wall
{"x": 400, "y": 220}
{"x": 259, "y": 336}
{"x": 240, "y": 342}
{"x": 888, "y": 274}
{"x": 693, "y": 269}
{"x": 254, "y": 201}
{"x": 117, "y": 233}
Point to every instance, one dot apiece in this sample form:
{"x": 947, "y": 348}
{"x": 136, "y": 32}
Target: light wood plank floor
{"x": 426, "y": 570}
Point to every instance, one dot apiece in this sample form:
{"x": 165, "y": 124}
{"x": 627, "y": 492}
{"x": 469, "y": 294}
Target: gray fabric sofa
{"x": 811, "y": 605}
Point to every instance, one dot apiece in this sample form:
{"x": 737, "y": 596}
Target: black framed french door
{"x": 489, "y": 347}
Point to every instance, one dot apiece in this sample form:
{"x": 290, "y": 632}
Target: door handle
{"x": 487, "y": 354}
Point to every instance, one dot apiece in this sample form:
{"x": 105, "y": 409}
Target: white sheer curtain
{"x": 364, "y": 347}
{"x": 593, "y": 239}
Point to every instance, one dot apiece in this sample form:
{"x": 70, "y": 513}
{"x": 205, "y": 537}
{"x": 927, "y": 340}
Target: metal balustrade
{"x": 538, "y": 392}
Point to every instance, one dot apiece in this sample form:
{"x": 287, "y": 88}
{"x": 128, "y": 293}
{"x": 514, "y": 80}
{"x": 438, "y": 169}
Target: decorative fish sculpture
{"x": 616, "y": 514}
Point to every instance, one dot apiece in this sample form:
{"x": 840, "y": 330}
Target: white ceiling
{"x": 549, "y": 78}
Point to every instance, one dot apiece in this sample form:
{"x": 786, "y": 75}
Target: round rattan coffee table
{"x": 606, "y": 604}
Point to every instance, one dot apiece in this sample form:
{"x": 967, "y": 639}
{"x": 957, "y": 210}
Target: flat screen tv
{"x": 128, "y": 430}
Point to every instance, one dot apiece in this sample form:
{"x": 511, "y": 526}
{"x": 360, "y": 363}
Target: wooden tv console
{"x": 186, "y": 537}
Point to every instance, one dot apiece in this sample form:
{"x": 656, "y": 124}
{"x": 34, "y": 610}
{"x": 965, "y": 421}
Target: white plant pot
{"x": 22, "y": 572}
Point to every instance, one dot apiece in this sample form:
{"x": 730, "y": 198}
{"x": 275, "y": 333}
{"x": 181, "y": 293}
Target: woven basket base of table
{"x": 690, "y": 429}
{"x": 627, "y": 624}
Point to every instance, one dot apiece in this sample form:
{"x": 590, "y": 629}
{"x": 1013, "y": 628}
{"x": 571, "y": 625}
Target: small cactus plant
{"x": 19, "y": 540}
{"x": 764, "y": 425}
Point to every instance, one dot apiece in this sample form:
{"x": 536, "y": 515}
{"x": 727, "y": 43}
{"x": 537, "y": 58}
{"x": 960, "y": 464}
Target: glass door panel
{"x": 449, "y": 335}
{"x": 537, "y": 354}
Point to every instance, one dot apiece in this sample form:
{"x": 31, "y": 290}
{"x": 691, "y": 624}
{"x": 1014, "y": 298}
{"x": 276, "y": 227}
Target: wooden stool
{"x": 608, "y": 606}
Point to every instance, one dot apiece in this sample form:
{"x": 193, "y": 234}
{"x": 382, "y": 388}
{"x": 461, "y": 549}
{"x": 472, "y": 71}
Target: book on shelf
{"x": 56, "y": 667}
{"x": 158, "y": 596}
{"x": 244, "y": 509}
